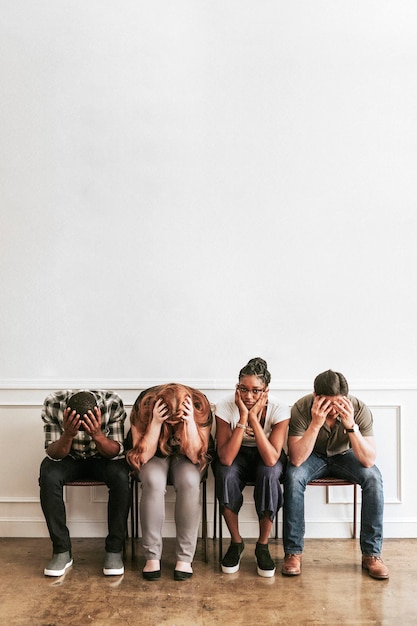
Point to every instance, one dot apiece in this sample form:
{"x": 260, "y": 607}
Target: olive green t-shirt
{"x": 329, "y": 442}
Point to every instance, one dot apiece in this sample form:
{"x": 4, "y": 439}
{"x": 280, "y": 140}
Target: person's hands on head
{"x": 160, "y": 411}
{"x": 321, "y": 408}
{"x": 346, "y": 411}
{"x": 71, "y": 422}
{"x": 188, "y": 415}
{"x": 92, "y": 422}
{"x": 83, "y": 403}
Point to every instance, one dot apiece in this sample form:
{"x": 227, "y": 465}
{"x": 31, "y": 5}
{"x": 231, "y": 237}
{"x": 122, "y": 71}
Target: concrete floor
{"x": 332, "y": 588}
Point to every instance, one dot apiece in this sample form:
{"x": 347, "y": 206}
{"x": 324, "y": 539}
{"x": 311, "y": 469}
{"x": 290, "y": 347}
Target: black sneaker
{"x": 231, "y": 560}
{"x": 265, "y": 565}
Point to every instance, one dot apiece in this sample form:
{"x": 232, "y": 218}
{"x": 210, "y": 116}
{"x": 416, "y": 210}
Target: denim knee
{"x": 295, "y": 479}
{"x": 372, "y": 478}
{"x": 267, "y": 472}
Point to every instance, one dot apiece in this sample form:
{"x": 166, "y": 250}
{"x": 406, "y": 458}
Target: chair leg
{"x": 217, "y": 511}
{"x": 132, "y": 521}
{"x": 135, "y": 515}
{"x": 204, "y": 521}
{"x": 220, "y": 535}
{"x": 136, "y": 510}
{"x": 354, "y": 510}
{"x": 215, "y": 518}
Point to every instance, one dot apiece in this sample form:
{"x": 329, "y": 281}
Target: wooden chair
{"x": 85, "y": 482}
{"x": 134, "y": 515}
{"x": 330, "y": 481}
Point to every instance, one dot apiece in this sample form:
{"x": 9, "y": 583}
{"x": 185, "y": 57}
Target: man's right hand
{"x": 320, "y": 410}
{"x": 71, "y": 422}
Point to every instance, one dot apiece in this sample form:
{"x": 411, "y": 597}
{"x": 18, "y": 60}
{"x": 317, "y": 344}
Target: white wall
{"x": 189, "y": 184}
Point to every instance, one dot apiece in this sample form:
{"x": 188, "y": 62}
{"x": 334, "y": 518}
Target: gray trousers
{"x": 185, "y": 477}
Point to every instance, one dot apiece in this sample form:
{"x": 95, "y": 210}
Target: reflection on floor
{"x": 332, "y": 588}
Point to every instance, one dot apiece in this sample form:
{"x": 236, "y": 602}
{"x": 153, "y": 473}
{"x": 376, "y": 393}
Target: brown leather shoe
{"x": 292, "y": 565}
{"x": 375, "y": 567}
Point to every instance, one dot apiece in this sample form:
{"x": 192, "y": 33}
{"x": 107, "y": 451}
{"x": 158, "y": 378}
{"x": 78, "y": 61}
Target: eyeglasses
{"x": 255, "y": 392}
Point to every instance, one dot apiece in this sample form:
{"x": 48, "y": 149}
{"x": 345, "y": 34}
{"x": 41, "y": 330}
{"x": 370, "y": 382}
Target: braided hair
{"x": 256, "y": 367}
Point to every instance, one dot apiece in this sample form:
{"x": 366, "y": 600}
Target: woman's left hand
{"x": 257, "y": 409}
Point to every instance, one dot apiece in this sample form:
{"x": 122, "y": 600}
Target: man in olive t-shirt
{"x": 330, "y": 434}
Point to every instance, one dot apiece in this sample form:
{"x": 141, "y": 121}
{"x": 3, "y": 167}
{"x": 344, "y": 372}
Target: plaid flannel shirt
{"x": 113, "y": 416}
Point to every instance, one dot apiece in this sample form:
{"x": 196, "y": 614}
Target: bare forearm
{"x": 193, "y": 445}
{"x": 150, "y": 439}
{"x": 108, "y": 448}
{"x": 268, "y": 452}
{"x": 61, "y": 448}
{"x": 299, "y": 449}
{"x": 229, "y": 450}
{"x": 363, "y": 448}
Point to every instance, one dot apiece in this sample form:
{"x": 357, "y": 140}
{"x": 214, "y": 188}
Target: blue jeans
{"x": 344, "y": 466}
{"x": 53, "y": 476}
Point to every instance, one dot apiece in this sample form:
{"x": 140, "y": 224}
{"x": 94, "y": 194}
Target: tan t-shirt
{"x": 329, "y": 442}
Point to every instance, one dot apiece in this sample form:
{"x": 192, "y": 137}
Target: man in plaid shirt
{"x": 84, "y": 434}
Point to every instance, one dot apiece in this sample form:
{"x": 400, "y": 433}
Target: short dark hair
{"x": 82, "y": 402}
{"x": 256, "y": 367}
{"x": 330, "y": 383}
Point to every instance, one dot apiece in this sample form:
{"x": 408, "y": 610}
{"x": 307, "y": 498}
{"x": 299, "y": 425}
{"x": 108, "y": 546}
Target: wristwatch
{"x": 355, "y": 429}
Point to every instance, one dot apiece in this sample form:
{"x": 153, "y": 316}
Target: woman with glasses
{"x": 251, "y": 428}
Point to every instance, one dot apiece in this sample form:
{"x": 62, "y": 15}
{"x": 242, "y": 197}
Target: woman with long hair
{"x": 171, "y": 427}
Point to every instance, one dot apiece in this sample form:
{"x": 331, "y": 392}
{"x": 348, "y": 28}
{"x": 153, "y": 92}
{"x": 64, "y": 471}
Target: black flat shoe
{"x": 178, "y": 575}
{"x": 155, "y": 575}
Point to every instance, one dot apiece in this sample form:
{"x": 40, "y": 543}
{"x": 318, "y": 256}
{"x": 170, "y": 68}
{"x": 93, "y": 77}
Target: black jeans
{"x": 53, "y": 476}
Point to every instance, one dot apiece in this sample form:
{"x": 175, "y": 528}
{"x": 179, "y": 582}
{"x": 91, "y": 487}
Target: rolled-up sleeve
{"x": 115, "y": 416}
{"x": 51, "y": 425}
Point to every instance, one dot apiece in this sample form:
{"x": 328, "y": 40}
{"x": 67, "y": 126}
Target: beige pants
{"x": 185, "y": 477}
